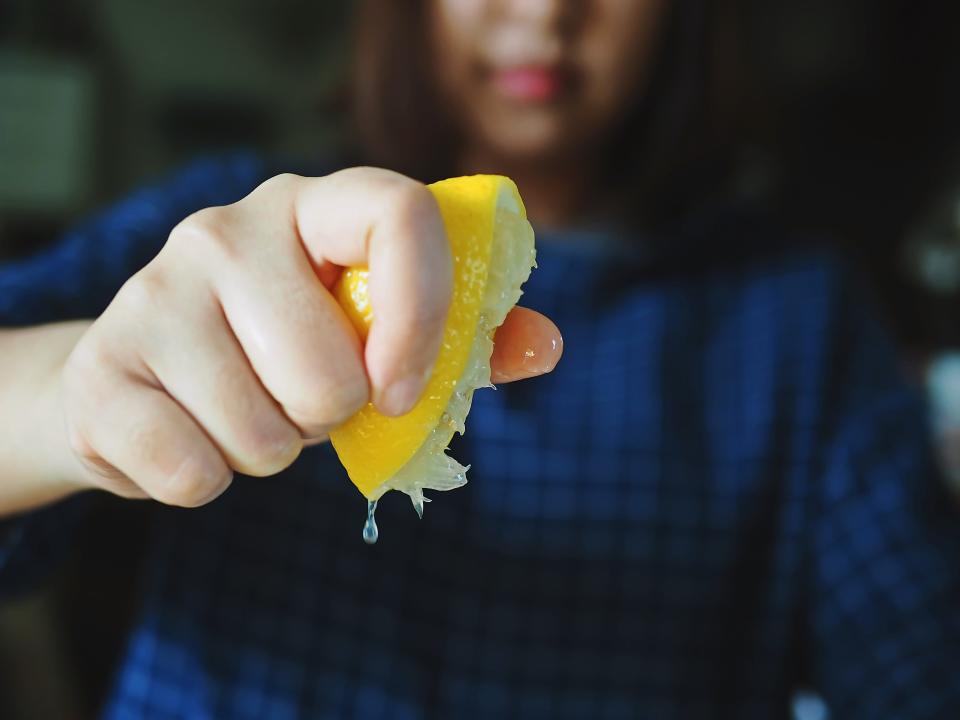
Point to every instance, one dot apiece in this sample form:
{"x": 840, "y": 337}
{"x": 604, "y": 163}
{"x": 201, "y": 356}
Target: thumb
{"x": 526, "y": 345}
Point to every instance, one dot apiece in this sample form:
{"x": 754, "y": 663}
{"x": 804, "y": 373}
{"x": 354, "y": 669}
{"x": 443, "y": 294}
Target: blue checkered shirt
{"x": 723, "y": 492}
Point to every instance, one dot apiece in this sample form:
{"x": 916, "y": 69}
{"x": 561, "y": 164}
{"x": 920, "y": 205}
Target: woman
{"x": 723, "y": 491}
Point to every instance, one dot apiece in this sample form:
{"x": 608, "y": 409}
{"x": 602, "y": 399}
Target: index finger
{"x": 378, "y": 218}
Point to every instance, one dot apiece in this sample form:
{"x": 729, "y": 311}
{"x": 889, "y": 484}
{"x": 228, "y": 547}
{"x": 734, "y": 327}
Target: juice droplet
{"x": 370, "y": 532}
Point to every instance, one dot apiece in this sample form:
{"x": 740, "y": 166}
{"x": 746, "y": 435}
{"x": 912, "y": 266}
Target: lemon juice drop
{"x": 370, "y": 532}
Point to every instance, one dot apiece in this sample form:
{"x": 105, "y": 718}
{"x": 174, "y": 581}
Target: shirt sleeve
{"x": 77, "y": 278}
{"x": 884, "y": 549}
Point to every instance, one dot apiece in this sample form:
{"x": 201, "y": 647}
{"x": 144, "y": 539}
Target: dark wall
{"x": 97, "y": 96}
{"x": 865, "y": 103}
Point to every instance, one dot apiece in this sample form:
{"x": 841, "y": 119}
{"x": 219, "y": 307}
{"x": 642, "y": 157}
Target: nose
{"x": 535, "y": 28}
{"x": 541, "y": 12}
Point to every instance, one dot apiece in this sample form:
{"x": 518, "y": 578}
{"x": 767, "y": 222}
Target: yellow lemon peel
{"x": 493, "y": 253}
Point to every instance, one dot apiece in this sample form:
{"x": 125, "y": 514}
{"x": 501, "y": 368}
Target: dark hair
{"x": 675, "y": 148}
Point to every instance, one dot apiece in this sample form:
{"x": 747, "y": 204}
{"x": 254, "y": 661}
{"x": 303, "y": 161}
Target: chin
{"x": 527, "y": 141}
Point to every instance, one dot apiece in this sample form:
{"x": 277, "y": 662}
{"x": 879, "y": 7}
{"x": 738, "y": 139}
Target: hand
{"x": 228, "y": 352}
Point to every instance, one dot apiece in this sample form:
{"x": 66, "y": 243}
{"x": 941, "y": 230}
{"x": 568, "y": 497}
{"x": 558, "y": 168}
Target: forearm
{"x": 36, "y": 464}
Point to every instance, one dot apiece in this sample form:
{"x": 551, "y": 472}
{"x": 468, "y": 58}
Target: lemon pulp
{"x": 493, "y": 252}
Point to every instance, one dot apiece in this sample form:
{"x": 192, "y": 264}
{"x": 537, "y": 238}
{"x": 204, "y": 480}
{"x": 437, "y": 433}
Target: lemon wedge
{"x": 493, "y": 253}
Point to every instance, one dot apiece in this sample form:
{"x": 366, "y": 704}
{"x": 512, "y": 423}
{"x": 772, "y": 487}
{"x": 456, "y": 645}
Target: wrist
{"x": 39, "y": 466}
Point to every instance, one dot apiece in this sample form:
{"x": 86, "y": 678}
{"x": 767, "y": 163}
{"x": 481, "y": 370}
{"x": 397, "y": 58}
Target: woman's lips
{"x": 528, "y": 84}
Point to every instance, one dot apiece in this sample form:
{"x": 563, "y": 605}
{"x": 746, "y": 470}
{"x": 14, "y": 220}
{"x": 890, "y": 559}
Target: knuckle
{"x": 87, "y": 379}
{"x": 411, "y": 202}
{"x": 85, "y": 362}
{"x": 400, "y": 196}
{"x": 281, "y": 183}
{"x": 143, "y": 293}
{"x": 372, "y": 175}
{"x": 202, "y": 222}
{"x": 206, "y": 231}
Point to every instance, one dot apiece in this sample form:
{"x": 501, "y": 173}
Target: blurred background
{"x": 860, "y": 145}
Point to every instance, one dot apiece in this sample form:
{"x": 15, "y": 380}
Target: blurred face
{"x": 541, "y": 79}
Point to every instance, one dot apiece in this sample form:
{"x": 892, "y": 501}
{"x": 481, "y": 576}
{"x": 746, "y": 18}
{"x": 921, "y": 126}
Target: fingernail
{"x": 287, "y": 450}
{"x": 401, "y": 395}
{"x": 220, "y": 488}
{"x": 534, "y": 363}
